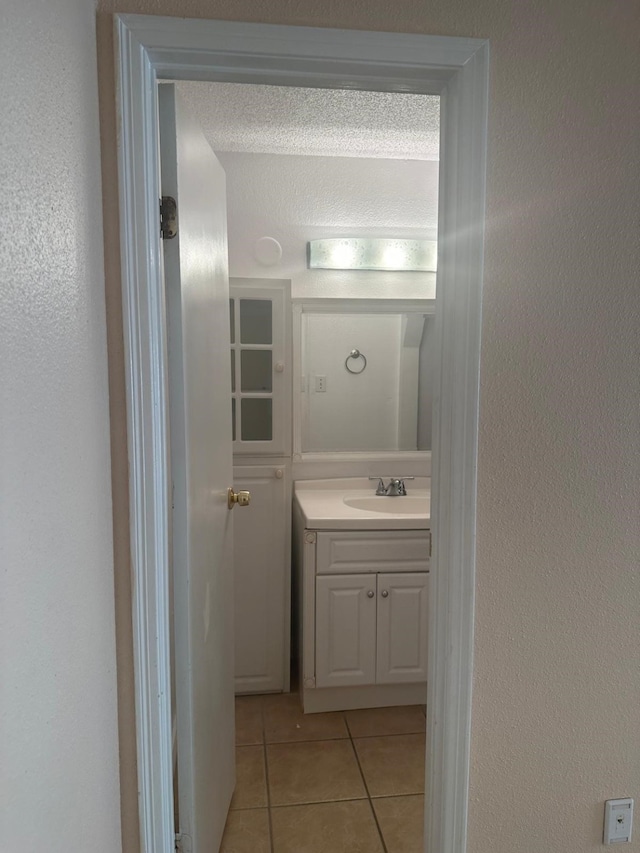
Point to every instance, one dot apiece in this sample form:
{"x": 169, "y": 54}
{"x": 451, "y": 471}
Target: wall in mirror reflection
{"x": 386, "y": 407}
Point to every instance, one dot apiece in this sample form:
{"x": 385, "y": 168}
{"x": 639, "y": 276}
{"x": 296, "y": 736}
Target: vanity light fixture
{"x": 364, "y": 253}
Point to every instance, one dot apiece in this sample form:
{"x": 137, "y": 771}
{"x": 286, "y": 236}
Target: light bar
{"x": 362, "y": 253}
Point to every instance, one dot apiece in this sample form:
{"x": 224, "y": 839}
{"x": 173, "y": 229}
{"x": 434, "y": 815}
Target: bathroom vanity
{"x": 362, "y": 585}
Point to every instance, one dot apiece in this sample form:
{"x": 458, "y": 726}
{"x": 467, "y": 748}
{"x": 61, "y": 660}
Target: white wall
{"x": 296, "y": 199}
{"x": 556, "y": 703}
{"x": 59, "y": 750}
{"x": 426, "y": 358}
{"x": 356, "y": 412}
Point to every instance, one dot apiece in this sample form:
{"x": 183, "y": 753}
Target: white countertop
{"x": 323, "y": 506}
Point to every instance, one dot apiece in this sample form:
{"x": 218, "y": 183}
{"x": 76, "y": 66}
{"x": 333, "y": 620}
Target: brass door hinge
{"x": 168, "y": 217}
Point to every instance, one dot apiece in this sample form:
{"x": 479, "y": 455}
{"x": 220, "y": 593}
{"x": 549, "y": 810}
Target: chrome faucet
{"x": 396, "y": 487}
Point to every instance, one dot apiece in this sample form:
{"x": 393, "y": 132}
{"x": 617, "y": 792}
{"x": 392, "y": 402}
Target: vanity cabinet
{"x": 364, "y": 602}
{"x": 371, "y": 629}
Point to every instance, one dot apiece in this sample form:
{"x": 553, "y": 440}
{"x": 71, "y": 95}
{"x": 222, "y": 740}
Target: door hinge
{"x": 183, "y": 843}
{"x": 168, "y": 217}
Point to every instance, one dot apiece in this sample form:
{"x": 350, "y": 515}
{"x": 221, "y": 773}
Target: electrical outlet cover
{"x": 618, "y": 821}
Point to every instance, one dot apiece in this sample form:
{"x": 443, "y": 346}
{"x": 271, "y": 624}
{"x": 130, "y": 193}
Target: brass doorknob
{"x": 240, "y": 498}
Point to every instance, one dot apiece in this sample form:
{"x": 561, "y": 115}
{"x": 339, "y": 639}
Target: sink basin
{"x": 350, "y": 503}
{"x": 402, "y": 505}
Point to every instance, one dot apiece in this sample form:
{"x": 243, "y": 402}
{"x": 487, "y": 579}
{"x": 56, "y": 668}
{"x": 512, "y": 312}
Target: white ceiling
{"x": 248, "y": 118}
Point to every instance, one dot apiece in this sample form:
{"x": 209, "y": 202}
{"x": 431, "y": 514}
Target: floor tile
{"x": 248, "y": 720}
{"x": 251, "y": 787}
{"x": 392, "y": 765}
{"x": 313, "y": 772}
{"x": 346, "y": 827}
{"x": 247, "y": 831}
{"x": 405, "y": 719}
{"x": 284, "y": 721}
{"x": 401, "y": 820}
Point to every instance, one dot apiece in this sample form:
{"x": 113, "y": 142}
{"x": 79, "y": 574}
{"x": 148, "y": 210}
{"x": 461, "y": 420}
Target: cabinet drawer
{"x": 373, "y": 551}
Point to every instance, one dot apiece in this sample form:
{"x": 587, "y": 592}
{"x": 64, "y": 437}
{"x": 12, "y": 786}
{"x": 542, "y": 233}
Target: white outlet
{"x": 618, "y": 821}
{"x": 321, "y": 384}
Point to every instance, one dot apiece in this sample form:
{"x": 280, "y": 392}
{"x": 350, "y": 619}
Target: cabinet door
{"x": 402, "y": 627}
{"x": 345, "y": 630}
{"x": 261, "y": 579}
{"x": 260, "y": 367}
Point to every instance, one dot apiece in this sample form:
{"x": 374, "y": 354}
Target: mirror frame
{"x": 347, "y": 306}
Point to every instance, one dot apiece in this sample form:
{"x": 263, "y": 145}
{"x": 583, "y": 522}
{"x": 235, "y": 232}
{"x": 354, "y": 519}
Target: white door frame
{"x": 149, "y": 48}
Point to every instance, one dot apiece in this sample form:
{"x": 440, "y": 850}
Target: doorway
{"x": 455, "y": 69}
{"x": 303, "y": 164}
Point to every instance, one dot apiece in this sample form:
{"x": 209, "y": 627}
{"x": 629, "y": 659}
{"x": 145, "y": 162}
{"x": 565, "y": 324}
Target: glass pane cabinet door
{"x": 259, "y": 367}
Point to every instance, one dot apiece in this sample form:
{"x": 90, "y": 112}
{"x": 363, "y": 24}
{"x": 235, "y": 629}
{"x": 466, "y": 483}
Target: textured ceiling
{"x": 324, "y": 122}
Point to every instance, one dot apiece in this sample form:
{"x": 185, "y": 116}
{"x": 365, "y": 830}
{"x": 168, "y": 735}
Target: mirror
{"x": 365, "y": 378}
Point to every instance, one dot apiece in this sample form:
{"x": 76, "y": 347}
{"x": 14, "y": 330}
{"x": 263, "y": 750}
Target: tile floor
{"x": 349, "y": 782}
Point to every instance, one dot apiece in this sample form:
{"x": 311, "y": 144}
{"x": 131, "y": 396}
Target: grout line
{"x": 266, "y": 774}
{"x": 325, "y": 802}
{"x": 366, "y": 787}
{"x": 306, "y": 740}
{"x": 249, "y": 809}
{"x": 350, "y": 799}
{"x": 319, "y": 802}
{"x": 388, "y": 734}
{"x": 332, "y": 739}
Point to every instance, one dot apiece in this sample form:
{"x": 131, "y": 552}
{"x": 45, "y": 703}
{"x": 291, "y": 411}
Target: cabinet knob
{"x": 279, "y": 367}
{"x": 279, "y": 473}
{"x": 370, "y": 594}
{"x": 384, "y": 593}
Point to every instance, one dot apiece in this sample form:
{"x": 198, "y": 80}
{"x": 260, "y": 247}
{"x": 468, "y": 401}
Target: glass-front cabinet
{"x": 260, "y": 311}
{"x": 260, "y": 368}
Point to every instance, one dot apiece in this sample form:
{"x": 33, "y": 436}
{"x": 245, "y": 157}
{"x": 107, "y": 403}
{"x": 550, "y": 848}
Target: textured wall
{"x": 58, "y": 708}
{"x": 557, "y": 689}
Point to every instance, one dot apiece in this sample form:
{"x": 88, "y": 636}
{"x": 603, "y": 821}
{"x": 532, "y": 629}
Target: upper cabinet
{"x": 260, "y": 366}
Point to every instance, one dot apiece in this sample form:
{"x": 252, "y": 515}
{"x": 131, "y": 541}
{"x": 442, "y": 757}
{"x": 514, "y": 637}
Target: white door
{"x": 345, "y": 630}
{"x": 197, "y": 294}
{"x": 402, "y": 627}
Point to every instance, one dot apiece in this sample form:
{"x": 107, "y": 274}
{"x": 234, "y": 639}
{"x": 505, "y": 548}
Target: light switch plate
{"x": 618, "y": 821}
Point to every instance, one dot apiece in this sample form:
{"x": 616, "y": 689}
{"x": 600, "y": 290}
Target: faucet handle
{"x": 381, "y": 490}
{"x": 397, "y": 486}
{"x": 403, "y": 488}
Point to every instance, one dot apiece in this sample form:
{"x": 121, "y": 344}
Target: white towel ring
{"x": 355, "y": 354}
